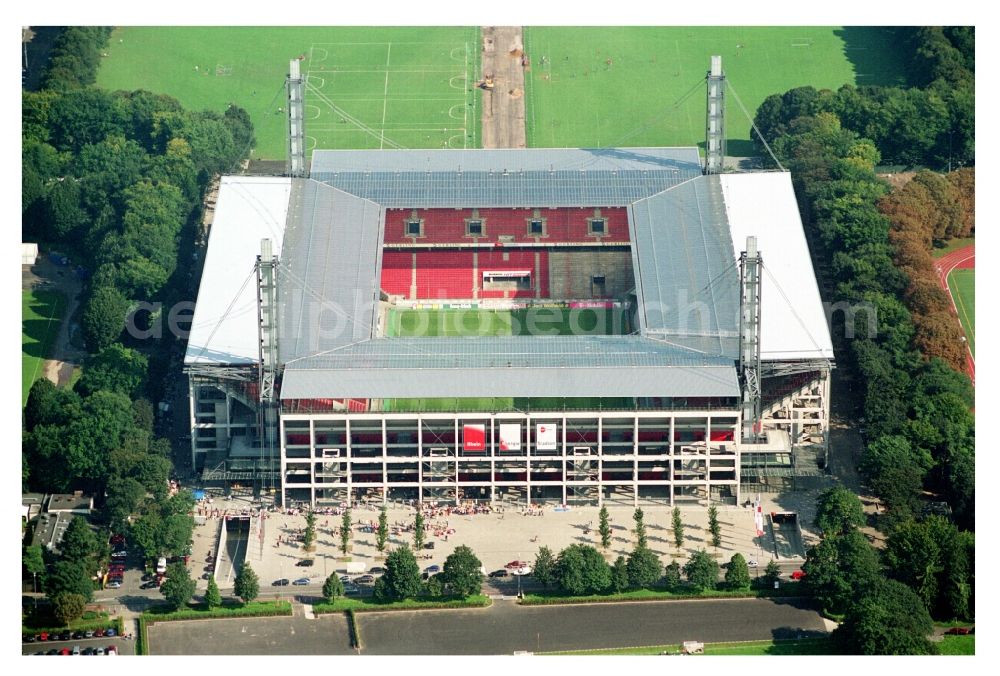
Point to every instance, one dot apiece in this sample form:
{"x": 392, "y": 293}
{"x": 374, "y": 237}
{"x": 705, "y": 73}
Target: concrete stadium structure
{"x": 297, "y": 391}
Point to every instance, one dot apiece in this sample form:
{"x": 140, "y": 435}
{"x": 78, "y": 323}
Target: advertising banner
{"x": 474, "y": 437}
{"x": 545, "y": 437}
{"x": 510, "y": 436}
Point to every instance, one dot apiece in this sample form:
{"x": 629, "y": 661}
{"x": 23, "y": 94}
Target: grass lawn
{"x": 958, "y": 645}
{"x": 644, "y": 85}
{"x": 370, "y": 604}
{"x": 963, "y": 287}
{"x": 806, "y": 646}
{"x": 952, "y": 245}
{"x": 366, "y": 87}
{"x": 41, "y": 312}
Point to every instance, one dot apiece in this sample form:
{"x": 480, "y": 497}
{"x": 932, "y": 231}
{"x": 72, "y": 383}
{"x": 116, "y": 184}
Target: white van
{"x": 161, "y": 565}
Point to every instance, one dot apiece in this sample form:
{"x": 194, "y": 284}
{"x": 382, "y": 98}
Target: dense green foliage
{"x": 246, "y": 585}
{"x": 604, "y": 527}
{"x": 382, "y": 534}
{"x": 401, "y": 579}
{"x": 887, "y": 619}
{"x": 714, "y": 529}
{"x": 737, "y": 573}
{"x": 580, "y": 569}
{"x": 67, "y": 607}
{"x": 640, "y": 528}
{"x": 838, "y": 511}
{"x": 333, "y": 588}
{"x": 213, "y": 599}
{"x": 178, "y": 588}
{"x": 75, "y": 57}
{"x": 544, "y": 570}
{"x": 462, "y": 574}
{"x": 345, "y": 532}
{"x": 644, "y": 568}
{"x": 677, "y": 527}
{"x": 702, "y": 571}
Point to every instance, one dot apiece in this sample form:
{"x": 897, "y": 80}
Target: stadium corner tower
{"x": 571, "y": 326}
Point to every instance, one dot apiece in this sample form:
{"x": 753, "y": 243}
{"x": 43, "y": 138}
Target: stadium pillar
{"x": 715, "y": 118}
{"x": 296, "y": 166}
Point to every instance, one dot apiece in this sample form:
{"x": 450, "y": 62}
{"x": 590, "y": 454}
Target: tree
{"x": 604, "y": 528}
{"x": 771, "y": 573}
{"x": 462, "y": 572}
{"x": 50, "y": 405}
{"x": 345, "y": 532}
{"x": 544, "y": 570}
{"x": 309, "y": 537}
{"x": 640, "y": 528}
{"x": 401, "y": 579}
{"x": 68, "y": 576}
{"x": 33, "y": 561}
{"x": 175, "y": 533}
{"x": 117, "y": 369}
{"x": 672, "y": 576}
{"x": 580, "y": 569}
{"x": 332, "y": 588}
{"x": 68, "y": 607}
{"x": 702, "y": 570}
{"x": 418, "y": 531}
{"x": 838, "y": 511}
{"x": 713, "y": 526}
{"x": 643, "y": 567}
{"x": 80, "y": 544}
{"x": 213, "y": 599}
{"x": 839, "y": 568}
{"x": 737, "y": 573}
{"x": 887, "y": 619}
{"x": 678, "y": 528}
{"x": 246, "y": 585}
{"x": 124, "y": 498}
{"x": 382, "y": 534}
{"x": 895, "y": 471}
{"x": 619, "y": 575}
{"x": 145, "y": 533}
{"x": 178, "y": 588}
{"x": 103, "y": 317}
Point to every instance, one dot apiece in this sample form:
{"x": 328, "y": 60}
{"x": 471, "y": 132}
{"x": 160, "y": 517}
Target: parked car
{"x": 283, "y": 582}
{"x": 516, "y": 564}
{"x": 44, "y": 636}
{"x": 28, "y": 638}
{"x": 501, "y": 574}
{"x": 161, "y": 565}
{"x": 377, "y": 570}
{"x": 365, "y": 579}
{"x": 53, "y": 651}
{"x": 305, "y": 563}
{"x": 66, "y": 636}
{"x": 959, "y": 631}
{"x": 345, "y": 578}
{"x": 110, "y": 633}
{"x": 351, "y": 589}
{"x": 428, "y": 545}
{"x": 89, "y": 633}
{"x": 77, "y": 635}
{"x": 752, "y": 563}
{"x": 149, "y": 585}
{"x": 64, "y": 651}
{"x": 112, "y": 650}
{"x": 523, "y": 570}
{"x": 797, "y": 575}
{"x": 76, "y": 650}
{"x": 114, "y": 584}
{"x": 98, "y": 632}
{"x": 432, "y": 569}
{"x": 301, "y": 582}
{"x": 99, "y": 651}
{"x": 87, "y": 651}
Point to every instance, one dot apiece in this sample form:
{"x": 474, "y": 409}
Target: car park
{"x": 77, "y": 635}
{"x": 53, "y": 651}
{"x": 112, "y": 650}
{"x": 28, "y": 638}
{"x": 66, "y": 636}
{"x": 283, "y": 582}
{"x": 76, "y": 650}
{"x": 99, "y": 651}
{"x": 98, "y": 632}
{"x": 43, "y": 636}
{"x": 87, "y": 651}
{"x": 304, "y": 563}
{"x": 301, "y": 582}
{"x": 89, "y": 633}
{"x": 64, "y": 651}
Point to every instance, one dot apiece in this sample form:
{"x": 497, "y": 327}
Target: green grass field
{"x": 958, "y": 645}
{"x": 652, "y": 92}
{"x": 41, "y": 312}
{"x": 963, "y": 287}
{"x": 806, "y": 646}
{"x": 537, "y": 321}
{"x": 366, "y": 87}
{"x": 482, "y": 322}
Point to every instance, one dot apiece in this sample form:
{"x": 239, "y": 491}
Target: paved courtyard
{"x": 496, "y": 538}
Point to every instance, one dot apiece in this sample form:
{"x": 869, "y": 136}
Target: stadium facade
{"x": 654, "y": 331}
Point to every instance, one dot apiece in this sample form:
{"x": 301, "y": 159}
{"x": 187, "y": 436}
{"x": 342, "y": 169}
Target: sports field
{"x": 41, "y": 312}
{"x": 366, "y": 87}
{"x": 962, "y": 283}
{"x": 644, "y": 85}
{"x": 536, "y": 321}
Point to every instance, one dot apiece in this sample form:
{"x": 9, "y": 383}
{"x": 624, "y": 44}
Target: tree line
{"x": 116, "y": 181}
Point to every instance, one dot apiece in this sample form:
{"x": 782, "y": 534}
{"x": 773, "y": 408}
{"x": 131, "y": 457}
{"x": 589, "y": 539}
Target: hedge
{"x": 788, "y": 589}
{"x": 370, "y": 605}
{"x": 199, "y": 612}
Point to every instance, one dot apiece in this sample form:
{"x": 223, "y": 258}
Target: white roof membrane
{"x": 224, "y": 328}
{"x": 793, "y": 319}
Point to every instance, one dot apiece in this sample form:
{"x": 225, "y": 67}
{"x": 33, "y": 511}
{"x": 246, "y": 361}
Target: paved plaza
{"x": 496, "y": 537}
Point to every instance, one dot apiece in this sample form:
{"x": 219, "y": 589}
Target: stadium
{"x": 570, "y": 326}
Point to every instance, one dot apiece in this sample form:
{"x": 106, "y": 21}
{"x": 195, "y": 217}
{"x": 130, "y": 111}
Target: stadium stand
{"x": 397, "y": 272}
{"x": 445, "y": 274}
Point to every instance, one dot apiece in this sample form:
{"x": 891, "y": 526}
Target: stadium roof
{"x": 538, "y": 177}
{"x": 793, "y": 319}
{"x": 224, "y": 326}
{"x": 510, "y": 366}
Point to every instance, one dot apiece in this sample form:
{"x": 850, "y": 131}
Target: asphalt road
{"x": 325, "y": 635}
{"x": 505, "y": 628}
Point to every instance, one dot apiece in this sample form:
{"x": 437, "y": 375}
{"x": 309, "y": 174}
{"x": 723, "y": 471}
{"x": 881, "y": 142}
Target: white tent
{"x": 29, "y": 253}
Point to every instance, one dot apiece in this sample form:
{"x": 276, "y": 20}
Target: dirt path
{"x": 503, "y": 106}
{"x": 958, "y": 259}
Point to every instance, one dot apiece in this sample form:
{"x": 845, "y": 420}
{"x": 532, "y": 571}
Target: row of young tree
{"x": 887, "y": 600}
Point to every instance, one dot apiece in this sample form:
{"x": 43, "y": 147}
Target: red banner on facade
{"x": 474, "y": 437}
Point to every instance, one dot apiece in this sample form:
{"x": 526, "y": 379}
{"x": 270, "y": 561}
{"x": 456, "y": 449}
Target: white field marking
{"x": 310, "y": 143}
{"x": 397, "y": 42}
{"x": 465, "y": 104}
{"x": 48, "y": 323}
{"x": 423, "y": 130}
{"x": 355, "y": 68}
{"x": 385, "y": 95}
{"x": 398, "y": 97}
{"x": 451, "y": 81}
{"x": 451, "y": 54}
{"x": 319, "y": 111}
{"x": 315, "y": 58}
{"x": 310, "y": 77}
{"x": 451, "y": 111}
{"x": 461, "y": 136}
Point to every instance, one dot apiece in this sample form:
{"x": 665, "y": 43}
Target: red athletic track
{"x": 957, "y": 260}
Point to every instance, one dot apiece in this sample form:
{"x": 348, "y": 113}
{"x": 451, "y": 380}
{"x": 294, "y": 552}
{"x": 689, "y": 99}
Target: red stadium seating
{"x": 444, "y": 274}
{"x": 397, "y": 269}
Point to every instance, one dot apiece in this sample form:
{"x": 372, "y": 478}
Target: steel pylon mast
{"x": 296, "y": 166}
{"x": 750, "y": 284}
{"x": 715, "y": 118}
{"x": 267, "y": 331}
